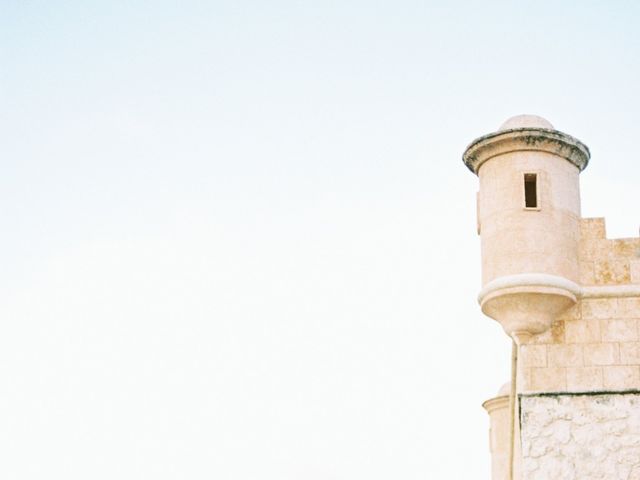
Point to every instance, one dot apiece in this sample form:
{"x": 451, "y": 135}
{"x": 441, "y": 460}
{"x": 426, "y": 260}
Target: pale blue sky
{"x": 239, "y": 241}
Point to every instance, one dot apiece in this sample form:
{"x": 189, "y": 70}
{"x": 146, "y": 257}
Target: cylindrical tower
{"x": 499, "y": 434}
{"x": 528, "y": 221}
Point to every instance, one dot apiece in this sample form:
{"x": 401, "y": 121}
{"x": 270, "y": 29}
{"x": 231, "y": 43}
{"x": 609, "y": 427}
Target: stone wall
{"x": 595, "y": 346}
{"x": 585, "y": 437}
{"x": 604, "y": 261}
{"x": 573, "y": 423}
{"x": 578, "y": 382}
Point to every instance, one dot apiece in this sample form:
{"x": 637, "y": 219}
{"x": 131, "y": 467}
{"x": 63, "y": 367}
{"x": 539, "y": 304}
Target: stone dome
{"x": 526, "y": 121}
{"x": 505, "y": 389}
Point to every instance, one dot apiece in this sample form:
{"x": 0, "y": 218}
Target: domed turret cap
{"x": 526, "y": 121}
{"x": 526, "y": 133}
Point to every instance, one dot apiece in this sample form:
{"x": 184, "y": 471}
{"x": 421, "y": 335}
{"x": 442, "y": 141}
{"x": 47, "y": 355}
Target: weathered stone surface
{"x": 570, "y": 299}
{"x": 584, "y": 437}
{"x": 581, "y": 331}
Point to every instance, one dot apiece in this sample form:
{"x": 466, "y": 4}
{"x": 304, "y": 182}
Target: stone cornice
{"x": 526, "y": 139}
{"x": 543, "y": 280}
{"x": 528, "y": 280}
{"x": 495, "y": 403}
{"x": 611, "y": 291}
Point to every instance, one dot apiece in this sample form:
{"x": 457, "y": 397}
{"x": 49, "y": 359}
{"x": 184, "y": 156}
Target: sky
{"x": 238, "y": 240}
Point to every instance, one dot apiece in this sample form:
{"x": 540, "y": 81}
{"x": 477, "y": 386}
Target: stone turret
{"x": 498, "y": 410}
{"x": 569, "y": 297}
{"x": 528, "y": 221}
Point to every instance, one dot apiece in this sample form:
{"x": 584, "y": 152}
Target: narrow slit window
{"x": 530, "y": 190}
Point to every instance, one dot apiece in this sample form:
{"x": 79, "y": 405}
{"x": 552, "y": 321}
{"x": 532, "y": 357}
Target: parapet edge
{"x": 526, "y": 139}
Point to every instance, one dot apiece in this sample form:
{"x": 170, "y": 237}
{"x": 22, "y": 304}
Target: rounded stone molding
{"x": 496, "y": 403}
{"x": 610, "y": 291}
{"x": 527, "y": 303}
{"x": 529, "y": 280}
{"x": 526, "y": 139}
{"x": 501, "y": 400}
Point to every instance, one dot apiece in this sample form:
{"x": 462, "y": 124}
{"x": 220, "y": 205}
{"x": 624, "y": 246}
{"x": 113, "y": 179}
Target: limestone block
{"x": 523, "y": 380}
{"x": 587, "y": 272}
{"x": 582, "y": 379}
{"x": 611, "y": 272}
{"x": 599, "y": 308}
{"x": 619, "y": 330}
{"x": 593, "y": 228}
{"x": 625, "y": 247}
{"x": 549, "y": 379}
{"x": 634, "y": 267}
{"x": 565, "y": 355}
{"x": 533, "y": 355}
{"x": 590, "y": 250}
{"x": 582, "y": 331}
{"x": 630, "y": 353}
{"x": 628, "y": 307}
{"x": 621, "y": 377}
{"x": 593, "y": 249}
{"x": 601, "y": 354}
